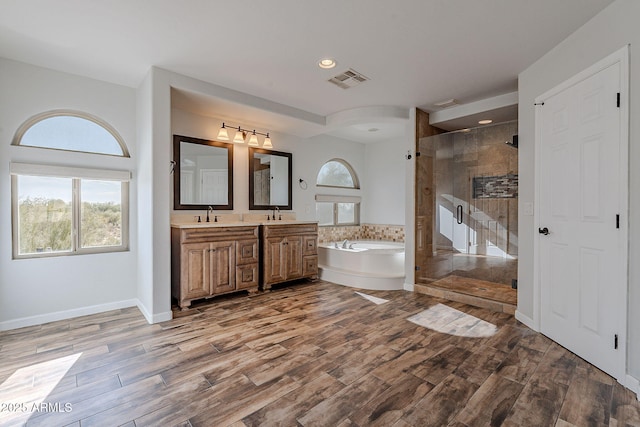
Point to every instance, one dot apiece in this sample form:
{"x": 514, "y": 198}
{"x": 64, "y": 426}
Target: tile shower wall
{"x": 392, "y": 233}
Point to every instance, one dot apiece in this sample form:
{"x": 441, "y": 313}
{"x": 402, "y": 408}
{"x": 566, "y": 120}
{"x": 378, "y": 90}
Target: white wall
{"x": 384, "y": 199}
{"x": 36, "y": 290}
{"x": 615, "y": 27}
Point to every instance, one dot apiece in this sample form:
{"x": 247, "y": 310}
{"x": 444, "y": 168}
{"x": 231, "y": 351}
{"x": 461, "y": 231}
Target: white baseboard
{"x": 526, "y": 320}
{"x": 633, "y": 384}
{"x": 409, "y": 287}
{"x": 154, "y": 318}
{"x": 65, "y": 314}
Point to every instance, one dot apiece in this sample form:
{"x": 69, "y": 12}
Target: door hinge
{"x": 615, "y": 342}
{"x": 617, "y": 220}
{"x": 417, "y": 268}
{"x": 618, "y": 100}
{"x": 417, "y": 154}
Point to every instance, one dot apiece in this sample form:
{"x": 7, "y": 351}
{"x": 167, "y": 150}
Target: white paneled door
{"x": 582, "y": 232}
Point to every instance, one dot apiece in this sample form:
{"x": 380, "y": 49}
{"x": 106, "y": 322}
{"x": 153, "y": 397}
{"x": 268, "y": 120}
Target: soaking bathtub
{"x": 364, "y": 264}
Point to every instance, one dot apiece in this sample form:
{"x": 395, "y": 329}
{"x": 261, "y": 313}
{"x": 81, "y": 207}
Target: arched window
{"x": 71, "y": 131}
{"x": 338, "y": 209}
{"x": 65, "y": 209}
{"x": 337, "y": 173}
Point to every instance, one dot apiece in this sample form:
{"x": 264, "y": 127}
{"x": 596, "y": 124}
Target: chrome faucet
{"x": 345, "y": 244}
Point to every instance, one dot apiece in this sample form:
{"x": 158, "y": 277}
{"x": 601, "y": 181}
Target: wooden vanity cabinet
{"x": 289, "y": 252}
{"x": 213, "y": 261}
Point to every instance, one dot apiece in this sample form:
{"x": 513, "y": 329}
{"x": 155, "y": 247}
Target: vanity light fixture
{"x": 327, "y": 63}
{"x": 267, "y": 142}
{"x": 241, "y": 135}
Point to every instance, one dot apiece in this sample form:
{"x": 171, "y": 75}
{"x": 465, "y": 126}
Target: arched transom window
{"x": 337, "y": 173}
{"x": 71, "y": 131}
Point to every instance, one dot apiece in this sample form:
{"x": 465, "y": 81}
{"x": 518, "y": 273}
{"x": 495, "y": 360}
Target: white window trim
{"x": 76, "y": 174}
{"x": 33, "y": 169}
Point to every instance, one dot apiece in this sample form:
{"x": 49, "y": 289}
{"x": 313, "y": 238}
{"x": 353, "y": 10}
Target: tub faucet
{"x": 345, "y": 244}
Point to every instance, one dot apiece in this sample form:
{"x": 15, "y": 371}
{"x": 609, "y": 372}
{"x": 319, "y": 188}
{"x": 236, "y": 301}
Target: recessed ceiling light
{"x": 327, "y": 63}
{"x": 485, "y": 122}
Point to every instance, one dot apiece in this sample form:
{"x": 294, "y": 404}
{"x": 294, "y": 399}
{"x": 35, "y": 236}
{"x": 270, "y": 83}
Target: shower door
{"x": 466, "y": 205}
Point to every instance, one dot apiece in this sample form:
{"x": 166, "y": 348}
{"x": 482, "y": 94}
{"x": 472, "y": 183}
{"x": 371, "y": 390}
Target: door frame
{"x": 621, "y": 56}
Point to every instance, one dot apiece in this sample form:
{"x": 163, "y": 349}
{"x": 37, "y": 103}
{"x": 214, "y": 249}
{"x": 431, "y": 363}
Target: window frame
{"x": 76, "y": 175}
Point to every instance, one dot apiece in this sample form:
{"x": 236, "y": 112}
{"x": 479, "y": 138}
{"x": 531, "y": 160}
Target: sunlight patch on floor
{"x": 447, "y": 320}
{"x": 24, "y": 391}
{"x": 373, "y": 299}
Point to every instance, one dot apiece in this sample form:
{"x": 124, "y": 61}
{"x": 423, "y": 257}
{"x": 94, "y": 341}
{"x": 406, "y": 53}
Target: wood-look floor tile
{"x": 438, "y": 367}
{"x": 588, "y": 401}
{"x": 239, "y": 402}
{"x": 442, "y": 403}
{"x": 309, "y": 354}
{"x": 625, "y": 410}
{"x": 491, "y": 403}
{"x": 285, "y": 410}
{"x": 387, "y": 408}
{"x": 178, "y": 395}
{"x": 97, "y": 404}
{"x": 341, "y": 405}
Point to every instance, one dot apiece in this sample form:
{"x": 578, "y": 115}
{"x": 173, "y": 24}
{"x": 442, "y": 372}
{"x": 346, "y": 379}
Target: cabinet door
{"x": 195, "y": 281}
{"x": 294, "y": 257}
{"x": 223, "y": 263}
{"x": 274, "y": 260}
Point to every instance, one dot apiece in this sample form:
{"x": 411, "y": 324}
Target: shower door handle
{"x": 459, "y": 214}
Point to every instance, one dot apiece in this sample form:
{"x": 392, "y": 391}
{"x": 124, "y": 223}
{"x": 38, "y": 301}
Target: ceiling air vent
{"x": 348, "y": 79}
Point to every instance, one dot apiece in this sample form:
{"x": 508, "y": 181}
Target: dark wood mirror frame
{"x": 177, "y": 205}
{"x": 253, "y": 204}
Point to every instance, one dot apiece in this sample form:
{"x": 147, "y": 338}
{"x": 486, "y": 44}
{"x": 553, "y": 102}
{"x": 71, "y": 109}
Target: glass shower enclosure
{"x": 467, "y": 205}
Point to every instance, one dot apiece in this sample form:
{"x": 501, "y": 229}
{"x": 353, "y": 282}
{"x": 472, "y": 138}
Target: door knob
{"x": 544, "y": 231}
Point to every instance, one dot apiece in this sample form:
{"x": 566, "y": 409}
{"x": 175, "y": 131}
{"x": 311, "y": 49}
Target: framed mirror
{"x": 269, "y": 179}
{"x": 203, "y": 174}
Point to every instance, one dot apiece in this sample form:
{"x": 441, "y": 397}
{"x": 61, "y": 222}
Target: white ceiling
{"x": 415, "y": 52}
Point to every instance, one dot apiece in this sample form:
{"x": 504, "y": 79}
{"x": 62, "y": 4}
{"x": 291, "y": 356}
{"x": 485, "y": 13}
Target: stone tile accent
{"x": 495, "y": 187}
{"x": 392, "y": 233}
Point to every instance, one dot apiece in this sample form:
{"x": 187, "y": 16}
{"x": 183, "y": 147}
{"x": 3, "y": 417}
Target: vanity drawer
{"x": 310, "y": 266}
{"x": 246, "y": 251}
{"x": 310, "y": 245}
{"x": 247, "y": 276}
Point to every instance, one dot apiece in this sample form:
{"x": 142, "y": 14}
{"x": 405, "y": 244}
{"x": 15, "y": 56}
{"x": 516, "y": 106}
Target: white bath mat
{"x": 448, "y": 320}
{"x": 373, "y": 299}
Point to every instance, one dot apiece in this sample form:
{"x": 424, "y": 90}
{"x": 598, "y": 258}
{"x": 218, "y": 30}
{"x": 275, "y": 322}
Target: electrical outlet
{"x": 527, "y": 208}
